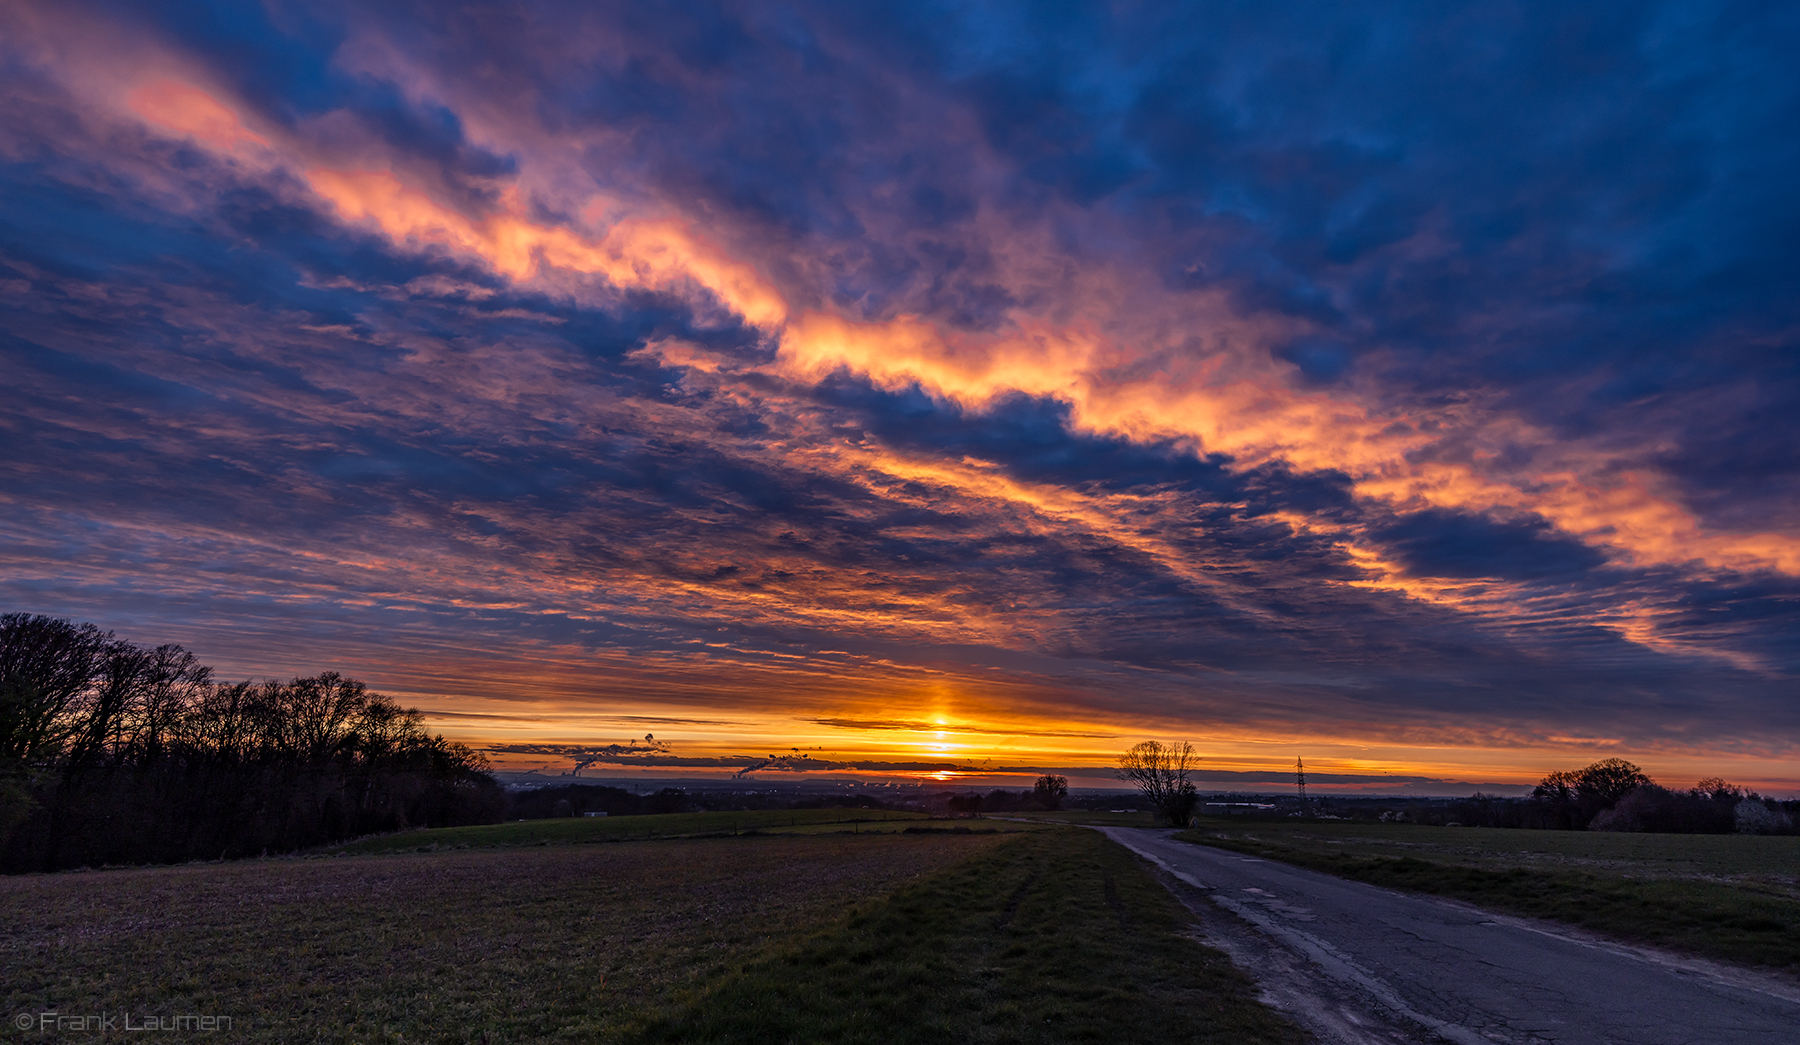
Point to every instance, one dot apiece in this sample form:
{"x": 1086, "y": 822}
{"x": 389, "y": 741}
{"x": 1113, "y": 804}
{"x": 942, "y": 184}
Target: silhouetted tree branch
{"x": 1160, "y": 773}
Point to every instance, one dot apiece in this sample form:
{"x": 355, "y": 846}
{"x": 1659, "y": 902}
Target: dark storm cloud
{"x": 1543, "y": 252}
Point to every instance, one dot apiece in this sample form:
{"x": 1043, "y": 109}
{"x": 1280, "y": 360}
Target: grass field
{"x": 1735, "y": 897}
{"x": 582, "y": 829}
{"x": 922, "y": 826}
{"x": 1089, "y": 818}
{"x": 841, "y": 937}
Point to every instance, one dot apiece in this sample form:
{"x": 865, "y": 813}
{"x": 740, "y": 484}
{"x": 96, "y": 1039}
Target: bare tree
{"x": 1050, "y": 790}
{"x": 48, "y": 668}
{"x": 1160, "y": 773}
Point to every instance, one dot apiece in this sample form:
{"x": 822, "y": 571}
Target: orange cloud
{"x": 660, "y": 254}
{"x": 1230, "y": 397}
{"x": 1221, "y": 405}
{"x": 634, "y": 253}
{"x": 187, "y": 110}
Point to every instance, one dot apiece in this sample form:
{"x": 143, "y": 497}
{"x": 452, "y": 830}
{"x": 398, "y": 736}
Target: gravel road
{"x": 1358, "y": 964}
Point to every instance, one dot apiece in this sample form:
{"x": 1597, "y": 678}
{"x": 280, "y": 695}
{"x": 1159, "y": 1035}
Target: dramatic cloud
{"x": 928, "y": 385}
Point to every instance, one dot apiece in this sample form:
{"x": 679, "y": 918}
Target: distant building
{"x": 593, "y": 814}
{"x": 1239, "y": 807}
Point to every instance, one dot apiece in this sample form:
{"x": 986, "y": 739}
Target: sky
{"x": 933, "y": 392}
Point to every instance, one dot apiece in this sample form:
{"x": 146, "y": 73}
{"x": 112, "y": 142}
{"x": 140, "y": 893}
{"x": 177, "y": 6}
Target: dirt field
{"x": 1008, "y": 933}
{"x": 522, "y": 944}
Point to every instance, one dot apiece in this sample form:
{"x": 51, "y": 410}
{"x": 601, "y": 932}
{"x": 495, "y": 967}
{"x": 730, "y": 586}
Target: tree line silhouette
{"x": 1614, "y": 795}
{"x": 112, "y": 753}
{"x": 544, "y": 803}
{"x": 1609, "y": 795}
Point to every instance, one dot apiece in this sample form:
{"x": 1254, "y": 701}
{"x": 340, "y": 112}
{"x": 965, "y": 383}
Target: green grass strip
{"x": 580, "y": 830}
{"x": 1057, "y": 935}
{"x": 1715, "y": 920}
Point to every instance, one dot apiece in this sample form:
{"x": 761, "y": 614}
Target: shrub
{"x": 1754, "y": 817}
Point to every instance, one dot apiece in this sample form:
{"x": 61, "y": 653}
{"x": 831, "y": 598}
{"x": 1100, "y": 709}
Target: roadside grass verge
{"x": 571, "y": 942}
{"x": 1052, "y": 936}
{"x": 1752, "y": 919}
{"x": 1772, "y": 860}
{"x": 574, "y": 830}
